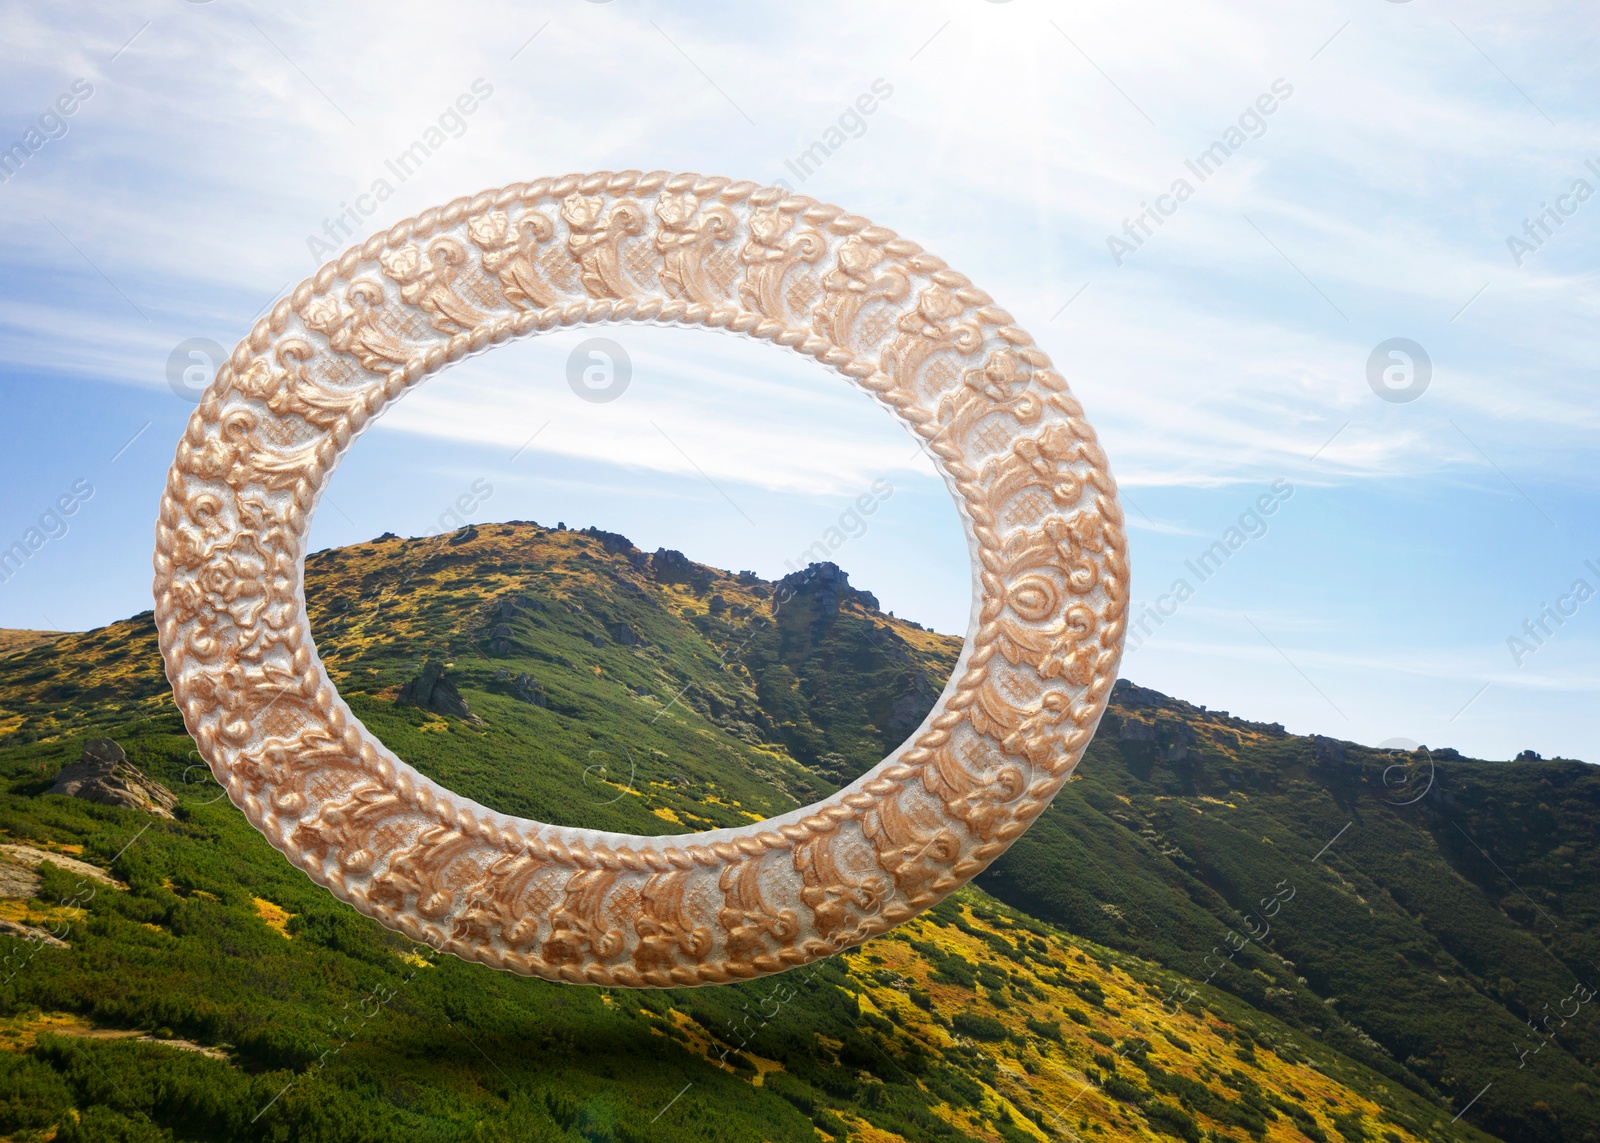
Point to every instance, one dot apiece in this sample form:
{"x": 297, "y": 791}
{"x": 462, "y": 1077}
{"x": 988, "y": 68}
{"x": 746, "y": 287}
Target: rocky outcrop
{"x": 523, "y": 687}
{"x": 671, "y": 566}
{"x": 1133, "y": 697}
{"x": 503, "y": 612}
{"x": 32, "y": 934}
{"x": 1329, "y": 749}
{"x": 18, "y": 863}
{"x": 613, "y": 542}
{"x": 913, "y": 705}
{"x": 20, "y": 881}
{"x": 103, "y": 774}
{"x": 829, "y": 585}
{"x": 432, "y": 691}
{"x": 530, "y": 690}
{"x": 622, "y": 633}
{"x": 668, "y": 566}
{"x": 1136, "y": 730}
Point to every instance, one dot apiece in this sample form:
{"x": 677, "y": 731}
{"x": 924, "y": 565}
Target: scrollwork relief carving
{"x": 1037, "y": 501}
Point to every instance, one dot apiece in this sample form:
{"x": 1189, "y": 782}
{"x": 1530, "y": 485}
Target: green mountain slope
{"x": 587, "y": 683}
{"x": 1455, "y": 899}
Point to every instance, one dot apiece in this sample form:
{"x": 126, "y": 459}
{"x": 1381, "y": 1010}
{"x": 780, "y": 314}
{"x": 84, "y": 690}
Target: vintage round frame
{"x": 1036, "y": 499}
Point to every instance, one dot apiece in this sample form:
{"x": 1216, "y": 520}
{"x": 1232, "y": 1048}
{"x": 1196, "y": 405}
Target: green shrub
{"x": 978, "y": 1026}
{"x": 1045, "y": 1029}
{"x": 1170, "y": 1120}
{"x": 32, "y": 1094}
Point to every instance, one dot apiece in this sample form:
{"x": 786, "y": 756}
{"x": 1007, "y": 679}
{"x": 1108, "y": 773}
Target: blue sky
{"x": 1226, "y": 351}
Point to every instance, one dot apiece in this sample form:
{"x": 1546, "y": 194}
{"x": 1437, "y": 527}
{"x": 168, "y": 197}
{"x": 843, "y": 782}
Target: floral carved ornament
{"x": 1036, "y": 499}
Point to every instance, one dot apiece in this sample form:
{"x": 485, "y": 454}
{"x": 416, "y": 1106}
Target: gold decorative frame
{"x": 1037, "y": 502}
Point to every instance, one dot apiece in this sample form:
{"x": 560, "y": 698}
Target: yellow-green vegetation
{"x": 1061, "y": 1038}
{"x": 207, "y": 991}
{"x": 1439, "y": 904}
{"x": 14, "y": 640}
{"x": 276, "y": 918}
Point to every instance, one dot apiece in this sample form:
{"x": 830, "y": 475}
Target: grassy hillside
{"x": 14, "y": 641}
{"x": 614, "y": 689}
{"x": 215, "y": 981}
{"x": 1458, "y": 902}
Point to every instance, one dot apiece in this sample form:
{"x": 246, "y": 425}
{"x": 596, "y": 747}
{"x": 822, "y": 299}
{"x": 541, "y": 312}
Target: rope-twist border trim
{"x": 519, "y": 837}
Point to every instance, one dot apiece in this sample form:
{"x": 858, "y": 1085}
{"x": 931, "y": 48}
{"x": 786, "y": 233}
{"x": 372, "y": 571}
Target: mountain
{"x": 1376, "y": 929}
{"x": 1441, "y": 904}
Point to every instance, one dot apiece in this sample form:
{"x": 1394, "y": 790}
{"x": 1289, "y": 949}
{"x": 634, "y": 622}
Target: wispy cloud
{"x": 220, "y": 136}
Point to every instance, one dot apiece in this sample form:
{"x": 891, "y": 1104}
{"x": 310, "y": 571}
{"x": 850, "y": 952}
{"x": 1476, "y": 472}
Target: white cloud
{"x": 227, "y": 155}
{"x": 697, "y": 403}
{"x": 218, "y": 141}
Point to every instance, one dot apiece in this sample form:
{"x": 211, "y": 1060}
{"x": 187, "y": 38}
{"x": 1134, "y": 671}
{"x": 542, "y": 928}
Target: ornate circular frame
{"x": 1036, "y": 498}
